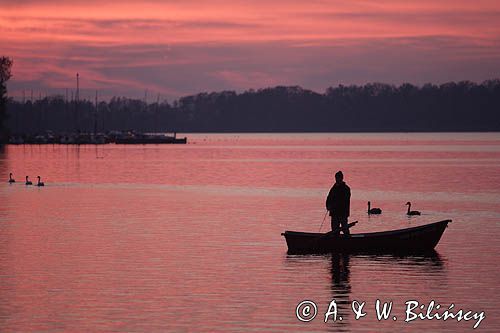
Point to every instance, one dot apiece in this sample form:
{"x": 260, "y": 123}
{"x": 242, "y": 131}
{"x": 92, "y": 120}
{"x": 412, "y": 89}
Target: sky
{"x": 168, "y": 49}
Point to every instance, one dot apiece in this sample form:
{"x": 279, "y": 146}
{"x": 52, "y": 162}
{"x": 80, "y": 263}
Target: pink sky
{"x": 175, "y": 48}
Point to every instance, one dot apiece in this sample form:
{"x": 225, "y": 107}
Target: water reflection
{"x": 428, "y": 263}
{"x": 377, "y": 276}
{"x": 3, "y": 157}
{"x": 341, "y": 287}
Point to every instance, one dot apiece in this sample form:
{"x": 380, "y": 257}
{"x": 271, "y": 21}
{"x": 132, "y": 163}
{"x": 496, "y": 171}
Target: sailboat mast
{"x": 77, "y": 98}
{"x": 95, "y": 114}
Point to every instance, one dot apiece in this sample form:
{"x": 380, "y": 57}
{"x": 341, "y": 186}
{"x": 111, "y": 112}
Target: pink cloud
{"x": 184, "y": 47}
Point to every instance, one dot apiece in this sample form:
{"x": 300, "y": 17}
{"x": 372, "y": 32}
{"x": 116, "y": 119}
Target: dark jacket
{"x": 338, "y": 201}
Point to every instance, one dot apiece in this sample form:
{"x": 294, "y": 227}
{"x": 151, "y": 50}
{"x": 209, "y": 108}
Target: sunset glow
{"x": 174, "y": 48}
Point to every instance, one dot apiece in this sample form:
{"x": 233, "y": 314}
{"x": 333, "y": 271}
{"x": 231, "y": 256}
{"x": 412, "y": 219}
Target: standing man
{"x": 338, "y": 203}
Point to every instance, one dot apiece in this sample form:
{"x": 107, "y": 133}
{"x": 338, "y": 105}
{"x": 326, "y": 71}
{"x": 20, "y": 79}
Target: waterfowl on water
{"x": 11, "y": 180}
{"x": 411, "y": 212}
{"x": 28, "y": 182}
{"x": 39, "y": 182}
{"x": 373, "y": 210}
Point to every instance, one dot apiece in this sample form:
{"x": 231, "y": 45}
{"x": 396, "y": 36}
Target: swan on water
{"x": 39, "y": 182}
{"x": 373, "y": 210}
{"x": 411, "y": 212}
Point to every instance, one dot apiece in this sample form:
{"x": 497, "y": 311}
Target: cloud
{"x": 176, "y": 48}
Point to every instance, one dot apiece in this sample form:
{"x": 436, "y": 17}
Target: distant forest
{"x": 374, "y": 107}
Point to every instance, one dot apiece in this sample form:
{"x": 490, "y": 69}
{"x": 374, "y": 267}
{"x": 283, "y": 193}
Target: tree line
{"x": 373, "y": 107}
{"x": 5, "y": 74}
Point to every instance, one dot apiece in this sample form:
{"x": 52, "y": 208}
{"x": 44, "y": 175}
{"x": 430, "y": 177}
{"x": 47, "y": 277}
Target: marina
{"x": 118, "y": 137}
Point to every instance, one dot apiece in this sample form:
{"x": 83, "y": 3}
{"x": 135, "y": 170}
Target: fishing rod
{"x": 324, "y": 217}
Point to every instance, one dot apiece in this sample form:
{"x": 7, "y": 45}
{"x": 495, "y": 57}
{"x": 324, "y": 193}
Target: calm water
{"x": 187, "y": 237}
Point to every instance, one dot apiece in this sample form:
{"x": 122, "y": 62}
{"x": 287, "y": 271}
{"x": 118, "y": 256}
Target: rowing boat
{"x": 415, "y": 239}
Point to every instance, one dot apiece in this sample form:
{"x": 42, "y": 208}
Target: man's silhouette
{"x": 338, "y": 203}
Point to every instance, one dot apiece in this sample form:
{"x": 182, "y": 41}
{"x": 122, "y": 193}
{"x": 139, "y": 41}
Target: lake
{"x": 155, "y": 238}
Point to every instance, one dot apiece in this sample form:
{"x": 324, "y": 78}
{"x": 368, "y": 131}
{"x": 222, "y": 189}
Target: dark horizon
{"x": 151, "y": 97}
{"x": 376, "y": 107}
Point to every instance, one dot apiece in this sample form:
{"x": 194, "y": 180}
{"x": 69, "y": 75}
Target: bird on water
{"x": 411, "y": 212}
{"x": 11, "y": 180}
{"x": 28, "y": 182}
{"x": 373, "y": 210}
{"x": 39, "y": 182}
